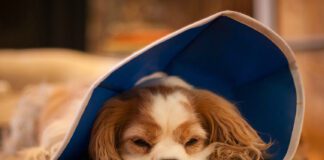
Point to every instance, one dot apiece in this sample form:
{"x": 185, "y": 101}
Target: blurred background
{"x": 60, "y": 41}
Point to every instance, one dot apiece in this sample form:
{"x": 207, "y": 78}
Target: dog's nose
{"x": 169, "y": 150}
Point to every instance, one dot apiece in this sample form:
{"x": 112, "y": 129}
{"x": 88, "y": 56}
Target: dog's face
{"x": 169, "y": 123}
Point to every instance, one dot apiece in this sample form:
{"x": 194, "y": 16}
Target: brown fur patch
{"x": 110, "y": 124}
{"x": 233, "y": 136}
{"x": 187, "y": 131}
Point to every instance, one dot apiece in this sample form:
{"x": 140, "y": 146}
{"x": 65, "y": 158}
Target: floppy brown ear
{"x": 107, "y": 130}
{"x": 233, "y": 136}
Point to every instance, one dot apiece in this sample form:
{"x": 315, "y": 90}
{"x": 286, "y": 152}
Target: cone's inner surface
{"x": 223, "y": 56}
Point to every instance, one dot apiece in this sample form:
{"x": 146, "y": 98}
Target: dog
{"x": 165, "y": 118}
{"x": 161, "y": 118}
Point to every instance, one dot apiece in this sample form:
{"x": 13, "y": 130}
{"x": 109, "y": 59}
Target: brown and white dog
{"x": 165, "y": 118}
{"x": 162, "y": 118}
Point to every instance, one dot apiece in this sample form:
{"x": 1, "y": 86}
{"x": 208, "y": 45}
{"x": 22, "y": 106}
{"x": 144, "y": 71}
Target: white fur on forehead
{"x": 169, "y": 112}
{"x": 160, "y": 78}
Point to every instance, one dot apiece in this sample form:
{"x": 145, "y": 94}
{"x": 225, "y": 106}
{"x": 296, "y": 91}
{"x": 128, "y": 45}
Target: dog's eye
{"x": 141, "y": 143}
{"x": 191, "y": 142}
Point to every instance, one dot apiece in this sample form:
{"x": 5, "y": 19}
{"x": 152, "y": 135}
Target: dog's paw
{"x": 34, "y": 153}
{"x": 54, "y": 149}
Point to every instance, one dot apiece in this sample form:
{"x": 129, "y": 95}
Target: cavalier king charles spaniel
{"x": 165, "y": 118}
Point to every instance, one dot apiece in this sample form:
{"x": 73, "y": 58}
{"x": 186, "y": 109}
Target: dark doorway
{"x": 43, "y": 23}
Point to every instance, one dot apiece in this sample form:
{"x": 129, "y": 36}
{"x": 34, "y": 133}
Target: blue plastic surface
{"x": 224, "y": 56}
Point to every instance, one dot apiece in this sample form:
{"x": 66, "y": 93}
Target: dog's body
{"x": 162, "y": 118}
{"x": 42, "y": 118}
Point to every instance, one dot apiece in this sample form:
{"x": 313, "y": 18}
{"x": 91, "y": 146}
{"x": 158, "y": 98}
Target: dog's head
{"x": 172, "y": 123}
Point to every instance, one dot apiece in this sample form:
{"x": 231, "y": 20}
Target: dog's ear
{"x": 108, "y": 128}
{"x": 232, "y": 134}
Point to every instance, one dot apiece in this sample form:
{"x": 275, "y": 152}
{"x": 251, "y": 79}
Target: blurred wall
{"x": 301, "y": 18}
{"x": 301, "y": 22}
{"x": 113, "y": 20}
